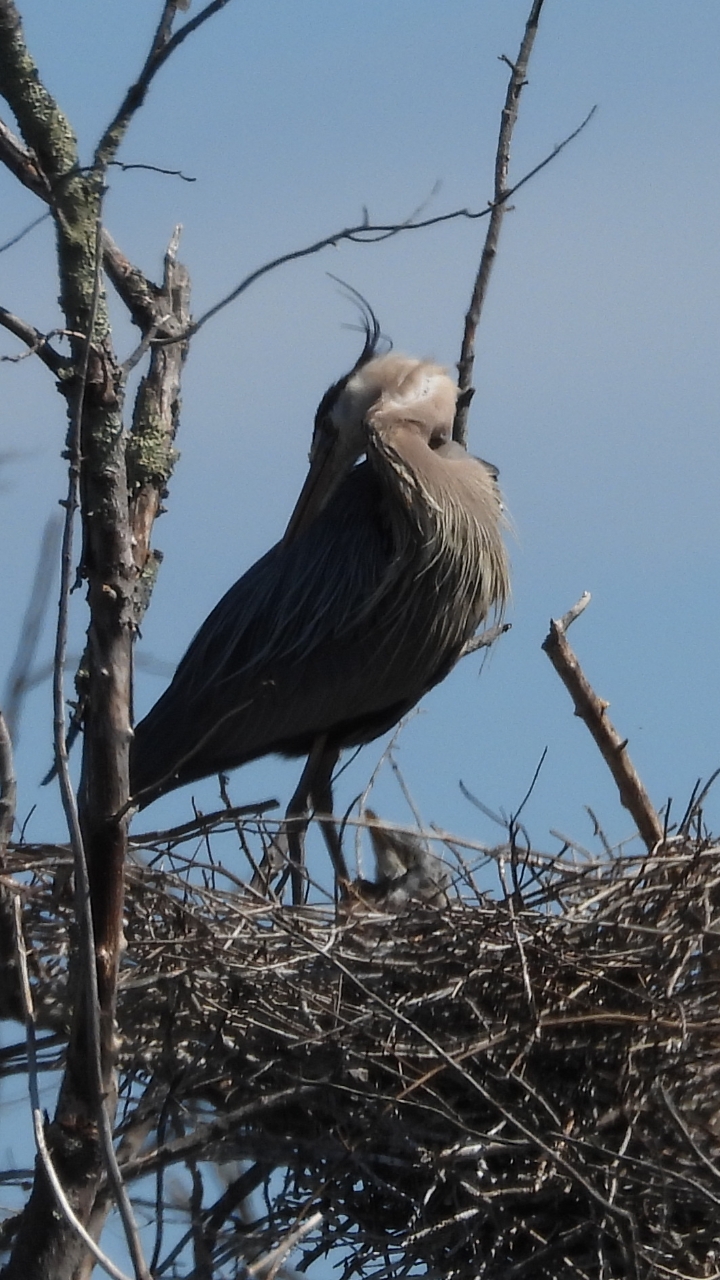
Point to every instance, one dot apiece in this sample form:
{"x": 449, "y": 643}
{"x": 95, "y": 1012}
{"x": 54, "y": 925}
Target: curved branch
{"x": 367, "y": 232}
{"x": 37, "y": 343}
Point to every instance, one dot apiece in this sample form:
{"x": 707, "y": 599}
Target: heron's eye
{"x": 438, "y": 438}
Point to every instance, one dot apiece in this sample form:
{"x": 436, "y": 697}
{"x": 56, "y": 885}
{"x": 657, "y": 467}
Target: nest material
{"x": 525, "y": 1087}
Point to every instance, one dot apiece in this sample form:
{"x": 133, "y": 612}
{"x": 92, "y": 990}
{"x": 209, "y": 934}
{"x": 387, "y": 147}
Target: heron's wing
{"x": 298, "y": 596}
{"x": 267, "y": 665}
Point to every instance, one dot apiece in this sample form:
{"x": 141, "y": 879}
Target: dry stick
{"x": 373, "y": 233}
{"x": 486, "y": 638}
{"x": 69, "y": 801}
{"x": 502, "y": 160}
{"x": 37, "y": 1112}
{"x": 139, "y": 294}
{"x": 19, "y": 679}
{"x": 270, "y": 1262}
{"x": 37, "y": 343}
{"x": 593, "y": 710}
{"x": 451, "y": 1060}
{"x": 8, "y": 788}
{"x": 164, "y": 44}
{"x": 8, "y": 796}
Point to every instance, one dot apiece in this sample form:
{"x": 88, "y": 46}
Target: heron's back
{"x": 338, "y": 633}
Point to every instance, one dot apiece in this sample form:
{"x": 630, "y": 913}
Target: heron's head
{"x": 377, "y": 388}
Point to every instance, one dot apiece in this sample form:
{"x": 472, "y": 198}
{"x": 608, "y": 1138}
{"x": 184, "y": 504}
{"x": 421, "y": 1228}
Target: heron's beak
{"x": 330, "y": 464}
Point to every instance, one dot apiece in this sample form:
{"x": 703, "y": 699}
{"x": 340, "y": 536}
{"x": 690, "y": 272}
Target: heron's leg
{"x": 297, "y": 818}
{"x": 322, "y": 799}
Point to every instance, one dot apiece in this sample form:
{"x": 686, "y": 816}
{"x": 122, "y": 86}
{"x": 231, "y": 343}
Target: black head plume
{"x": 370, "y": 326}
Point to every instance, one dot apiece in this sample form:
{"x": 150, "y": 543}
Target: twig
{"x": 200, "y": 1141}
{"x": 37, "y": 343}
{"x": 37, "y": 1113}
{"x": 497, "y": 209}
{"x": 20, "y": 677}
{"x": 20, "y": 235}
{"x": 8, "y": 787}
{"x": 151, "y": 168}
{"x": 269, "y": 1263}
{"x": 197, "y": 826}
{"x": 508, "y": 118}
{"x": 709, "y": 1164}
{"x": 696, "y": 800}
{"x": 367, "y": 232}
{"x": 485, "y": 639}
{"x": 163, "y": 45}
{"x": 592, "y": 710}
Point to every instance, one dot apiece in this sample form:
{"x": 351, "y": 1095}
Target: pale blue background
{"x": 597, "y": 373}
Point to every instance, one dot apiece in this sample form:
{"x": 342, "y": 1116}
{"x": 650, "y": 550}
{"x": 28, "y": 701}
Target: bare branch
{"x": 37, "y": 1113}
{"x": 204, "y": 822}
{"x": 20, "y": 678}
{"x": 8, "y": 787}
{"x": 43, "y": 125}
{"x": 163, "y": 45}
{"x": 97, "y": 1018}
{"x": 150, "y": 454}
{"x": 22, "y": 162}
{"x": 486, "y": 638}
{"x": 518, "y": 71}
{"x": 592, "y": 710}
{"x": 270, "y": 1262}
{"x": 20, "y": 235}
{"x": 367, "y": 232}
{"x": 37, "y": 343}
{"x": 140, "y": 295}
{"x": 152, "y": 168}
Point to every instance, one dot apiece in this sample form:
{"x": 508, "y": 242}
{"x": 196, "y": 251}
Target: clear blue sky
{"x": 597, "y": 371}
{"x": 598, "y": 360}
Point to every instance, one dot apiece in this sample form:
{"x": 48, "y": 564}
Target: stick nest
{"x": 516, "y": 1087}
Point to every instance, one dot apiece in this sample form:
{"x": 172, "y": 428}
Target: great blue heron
{"x": 384, "y": 573}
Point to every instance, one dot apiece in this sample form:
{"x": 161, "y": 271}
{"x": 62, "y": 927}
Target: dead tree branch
{"x": 592, "y": 710}
{"x": 43, "y": 1151}
{"x": 8, "y": 788}
{"x": 518, "y": 72}
{"x": 20, "y": 678}
{"x": 164, "y": 43}
{"x": 37, "y": 343}
{"x": 150, "y": 454}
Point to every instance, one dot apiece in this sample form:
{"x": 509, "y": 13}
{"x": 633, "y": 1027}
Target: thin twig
{"x": 367, "y": 232}
{"x": 152, "y": 168}
{"x": 486, "y": 638}
{"x": 518, "y": 71}
{"x": 20, "y": 235}
{"x": 20, "y": 676}
{"x": 163, "y": 45}
{"x": 202, "y": 823}
{"x": 268, "y": 1265}
{"x": 37, "y": 1113}
{"x": 592, "y": 710}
